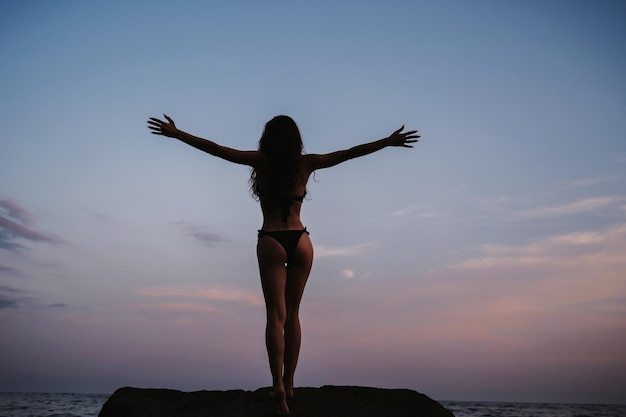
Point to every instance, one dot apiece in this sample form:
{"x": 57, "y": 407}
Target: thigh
{"x": 298, "y": 272}
{"x": 271, "y": 255}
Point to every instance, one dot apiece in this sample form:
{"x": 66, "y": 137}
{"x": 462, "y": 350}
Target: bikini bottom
{"x": 288, "y": 239}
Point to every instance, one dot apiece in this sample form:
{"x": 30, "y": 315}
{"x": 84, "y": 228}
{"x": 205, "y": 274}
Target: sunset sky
{"x": 487, "y": 263}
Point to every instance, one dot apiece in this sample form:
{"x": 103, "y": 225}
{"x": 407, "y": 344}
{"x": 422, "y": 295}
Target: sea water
{"x": 88, "y": 405}
{"x": 22, "y": 404}
{"x": 495, "y": 409}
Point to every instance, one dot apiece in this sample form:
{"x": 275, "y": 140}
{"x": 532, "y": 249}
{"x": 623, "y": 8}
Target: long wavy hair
{"x": 282, "y": 145}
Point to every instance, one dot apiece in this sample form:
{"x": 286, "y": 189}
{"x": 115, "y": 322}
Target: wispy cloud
{"x": 583, "y": 205}
{"x": 598, "y": 179}
{"x": 15, "y": 225}
{"x": 180, "y": 307}
{"x": 14, "y": 298}
{"x": 57, "y": 305}
{"x": 347, "y": 273}
{"x": 202, "y": 293}
{"x": 7, "y": 270}
{"x": 96, "y": 215}
{"x": 322, "y": 251}
{"x": 507, "y": 300}
{"x": 16, "y": 211}
{"x": 587, "y": 249}
{"x": 11, "y": 298}
{"x": 417, "y": 209}
{"x": 8, "y": 302}
{"x": 201, "y": 235}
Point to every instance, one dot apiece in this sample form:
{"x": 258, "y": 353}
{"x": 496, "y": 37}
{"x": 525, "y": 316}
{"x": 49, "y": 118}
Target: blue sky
{"x": 488, "y": 263}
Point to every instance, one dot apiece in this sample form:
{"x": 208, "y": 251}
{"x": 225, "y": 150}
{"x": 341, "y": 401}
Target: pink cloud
{"x": 181, "y": 308}
{"x": 585, "y": 250}
{"x": 575, "y": 207}
{"x": 16, "y": 211}
{"x": 558, "y": 301}
{"x": 322, "y": 251}
{"x": 202, "y": 293}
{"x": 15, "y": 223}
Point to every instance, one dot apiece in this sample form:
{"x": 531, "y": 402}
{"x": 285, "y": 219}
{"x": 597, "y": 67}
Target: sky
{"x": 486, "y": 263}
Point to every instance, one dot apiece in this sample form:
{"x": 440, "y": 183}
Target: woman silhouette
{"x": 280, "y": 172}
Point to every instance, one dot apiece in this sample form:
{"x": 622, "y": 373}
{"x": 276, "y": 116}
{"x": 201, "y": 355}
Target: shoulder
{"x": 319, "y": 161}
{"x": 257, "y": 160}
{"x": 311, "y": 161}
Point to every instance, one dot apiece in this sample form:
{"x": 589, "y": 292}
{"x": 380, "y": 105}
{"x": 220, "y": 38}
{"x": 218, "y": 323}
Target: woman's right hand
{"x": 159, "y": 127}
{"x": 400, "y": 138}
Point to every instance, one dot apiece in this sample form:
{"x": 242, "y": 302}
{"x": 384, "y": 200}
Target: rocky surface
{"x": 327, "y": 401}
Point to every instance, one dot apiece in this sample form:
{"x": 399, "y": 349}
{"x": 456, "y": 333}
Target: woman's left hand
{"x": 404, "y": 139}
{"x": 159, "y": 127}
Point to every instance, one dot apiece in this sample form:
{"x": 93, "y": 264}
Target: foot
{"x": 279, "y": 402}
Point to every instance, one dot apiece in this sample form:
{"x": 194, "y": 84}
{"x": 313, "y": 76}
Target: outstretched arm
{"x": 397, "y": 138}
{"x": 169, "y": 129}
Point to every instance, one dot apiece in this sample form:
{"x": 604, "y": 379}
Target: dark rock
{"x": 327, "y": 401}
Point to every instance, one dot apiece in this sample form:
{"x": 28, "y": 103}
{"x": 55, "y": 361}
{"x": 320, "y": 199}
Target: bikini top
{"x": 299, "y": 198}
{"x": 286, "y": 202}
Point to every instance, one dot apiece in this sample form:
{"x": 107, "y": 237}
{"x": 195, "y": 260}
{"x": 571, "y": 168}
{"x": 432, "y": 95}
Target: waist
{"x": 282, "y": 232}
{"x": 277, "y": 220}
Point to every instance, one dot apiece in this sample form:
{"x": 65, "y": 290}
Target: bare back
{"x": 273, "y": 207}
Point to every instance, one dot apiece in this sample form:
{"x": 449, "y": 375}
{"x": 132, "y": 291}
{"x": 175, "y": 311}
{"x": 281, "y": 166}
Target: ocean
{"x": 495, "y": 409}
{"x": 88, "y": 405}
{"x": 27, "y": 404}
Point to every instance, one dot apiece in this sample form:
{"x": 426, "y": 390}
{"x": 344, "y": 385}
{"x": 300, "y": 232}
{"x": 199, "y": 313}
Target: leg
{"x": 271, "y": 257}
{"x": 297, "y": 274}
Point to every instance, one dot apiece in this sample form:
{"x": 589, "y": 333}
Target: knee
{"x": 292, "y": 318}
{"x": 277, "y": 317}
